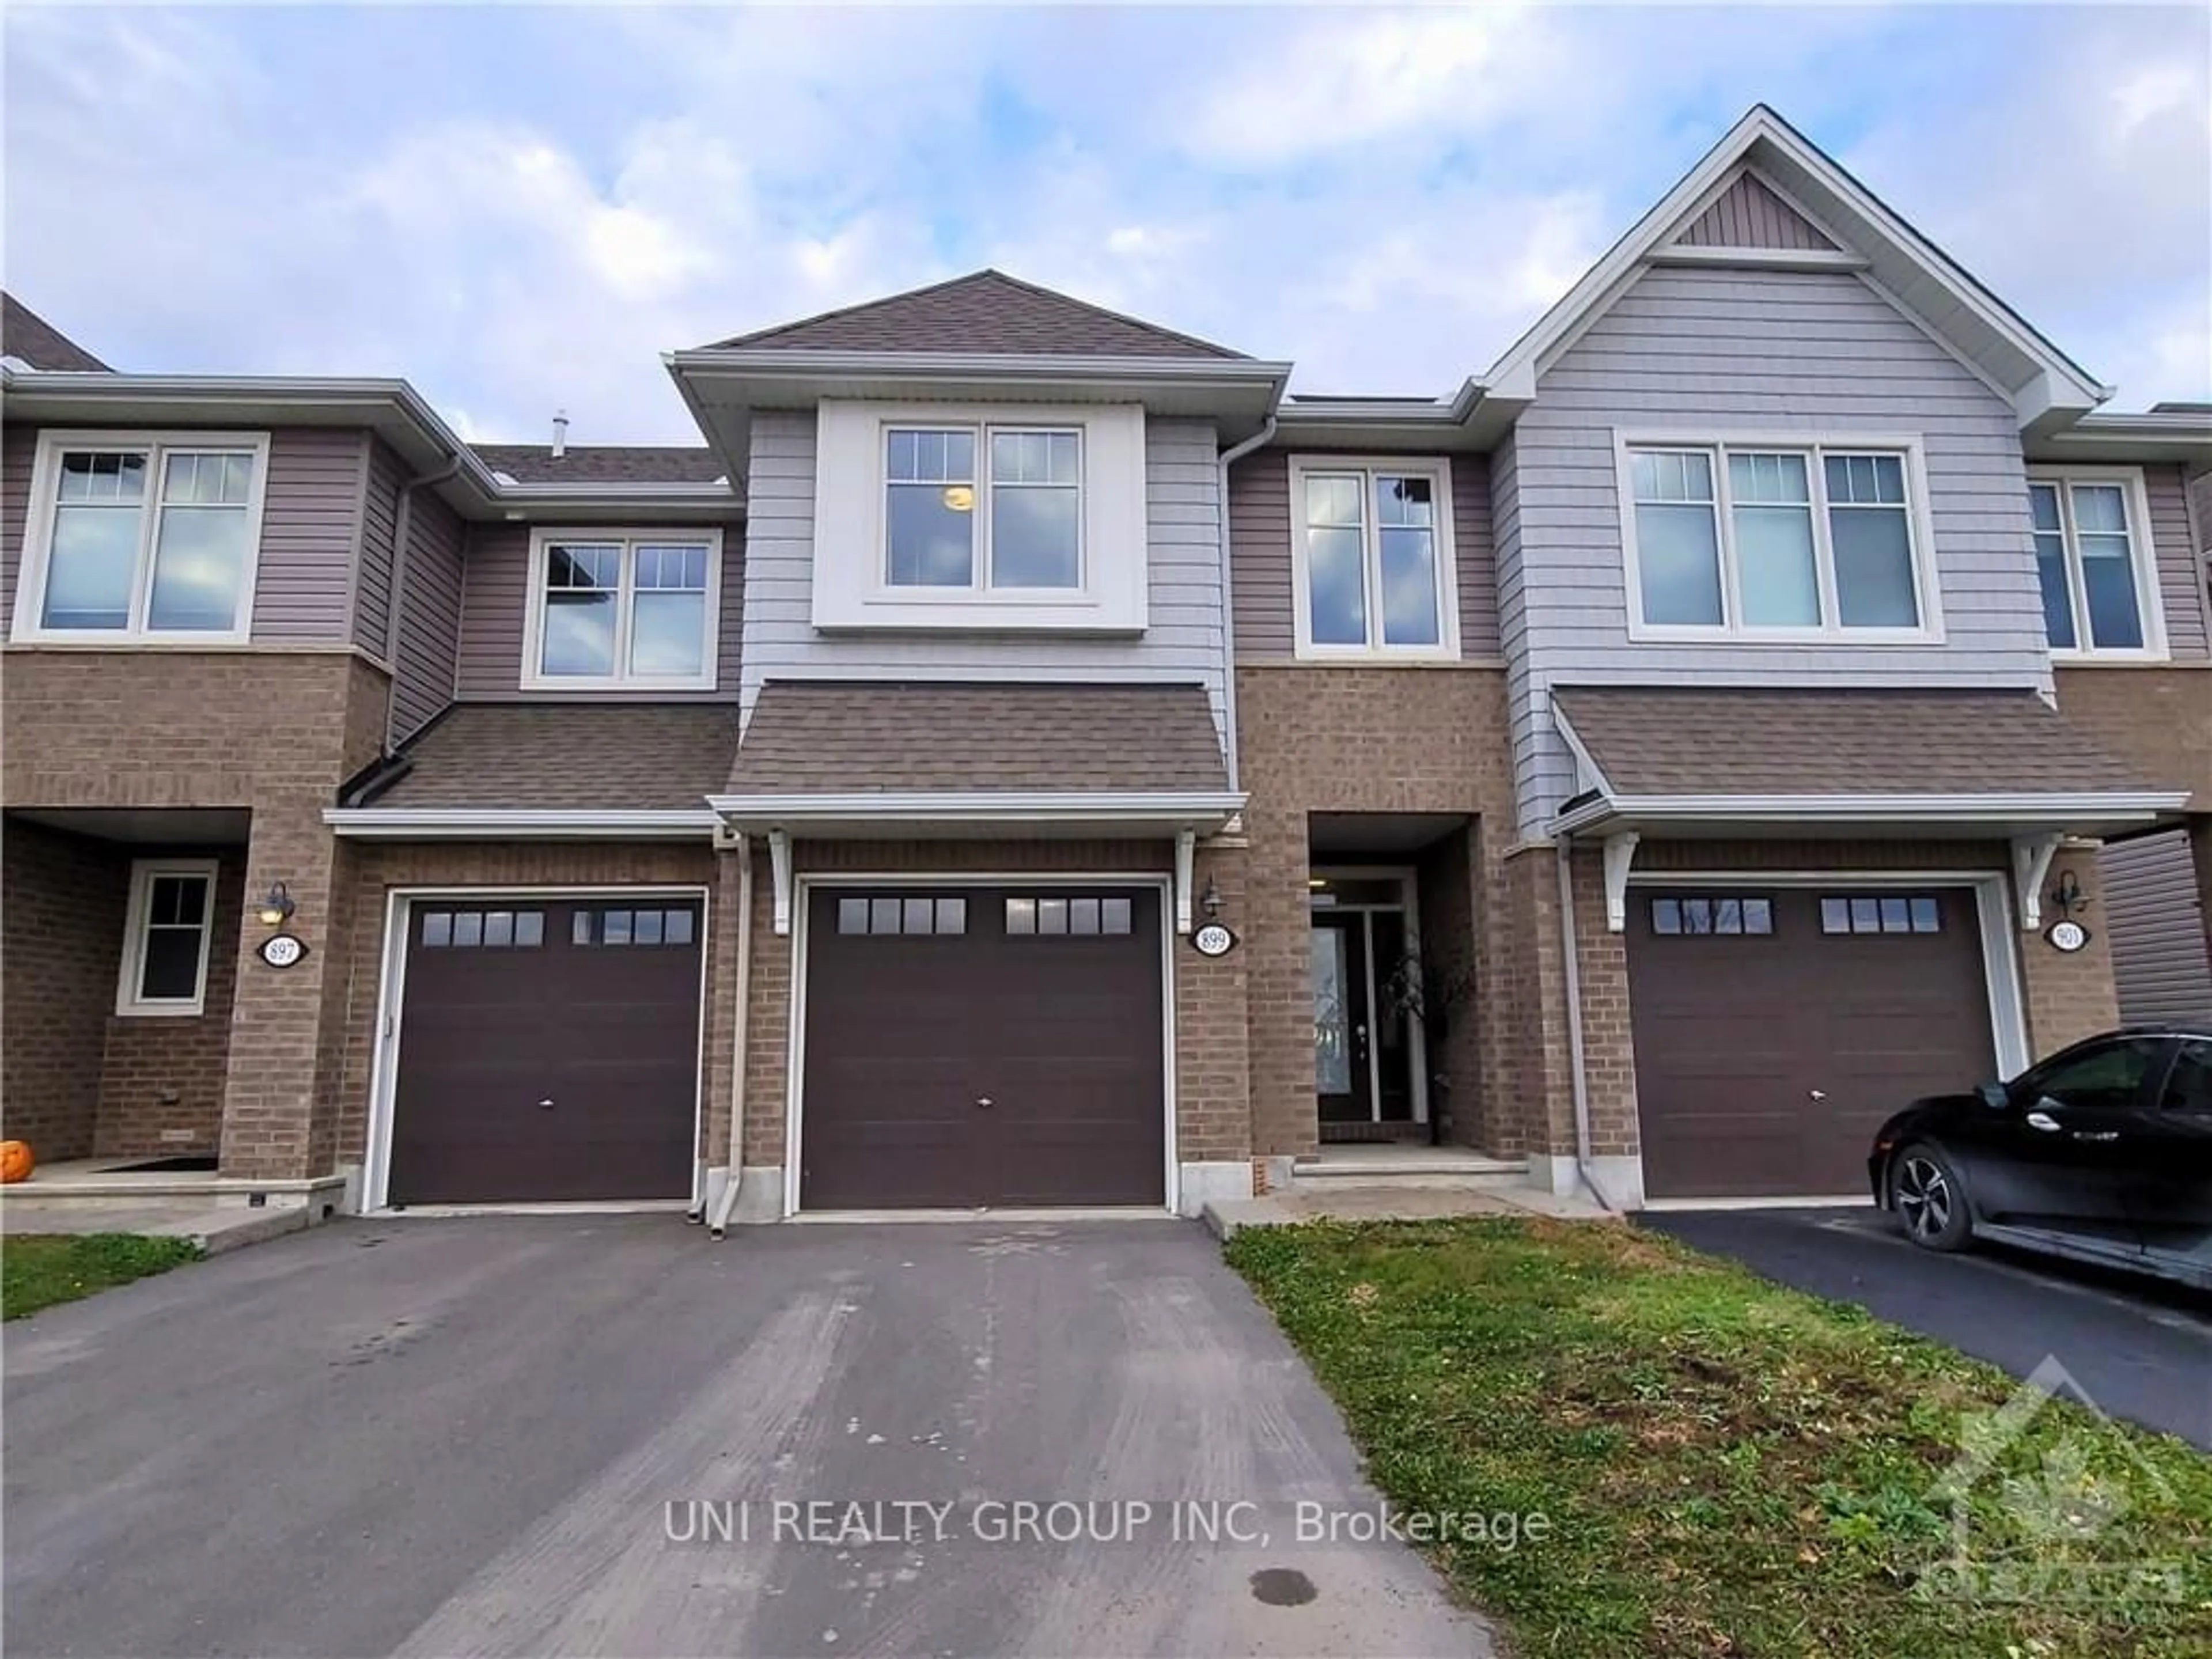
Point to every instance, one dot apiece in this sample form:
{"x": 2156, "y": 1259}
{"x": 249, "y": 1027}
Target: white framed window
{"x": 1372, "y": 557}
{"x": 623, "y": 610}
{"x": 168, "y": 930}
{"x": 1017, "y": 527}
{"x": 2096, "y": 563}
{"x": 143, "y": 535}
{"x": 1783, "y": 538}
{"x": 961, "y": 517}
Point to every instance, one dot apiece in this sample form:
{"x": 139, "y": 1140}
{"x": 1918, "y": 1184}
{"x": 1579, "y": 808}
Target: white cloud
{"x": 1388, "y": 198}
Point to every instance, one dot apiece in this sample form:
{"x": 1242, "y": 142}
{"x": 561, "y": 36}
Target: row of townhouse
{"x": 1023, "y": 757}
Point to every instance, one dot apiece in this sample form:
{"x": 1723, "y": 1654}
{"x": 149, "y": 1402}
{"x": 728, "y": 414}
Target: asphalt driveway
{"x": 594, "y": 1435}
{"x": 2139, "y": 1349}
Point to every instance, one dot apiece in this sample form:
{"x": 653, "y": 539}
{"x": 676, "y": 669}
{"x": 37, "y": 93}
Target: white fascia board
{"x": 471, "y": 823}
{"x": 1580, "y": 750}
{"x": 1207, "y": 811}
{"x": 2055, "y": 808}
{"x": 2060, "y": 385}
{"x": 1015, "y": 368}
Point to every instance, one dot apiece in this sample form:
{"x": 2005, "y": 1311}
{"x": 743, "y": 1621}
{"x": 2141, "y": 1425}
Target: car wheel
{"x": 1929, "y": 1198}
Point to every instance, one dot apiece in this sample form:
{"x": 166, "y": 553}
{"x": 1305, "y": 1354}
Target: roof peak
{"x": 988, "y": 311}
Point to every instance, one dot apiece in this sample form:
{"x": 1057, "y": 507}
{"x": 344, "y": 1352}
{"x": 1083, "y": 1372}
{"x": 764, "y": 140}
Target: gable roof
{"x": 985, "y": 312}
{"x": 1749, "y": 214}
{"x": 30, "y": 338}
{"x": 2046, "y": 386}
{"x": 604, "y": 462}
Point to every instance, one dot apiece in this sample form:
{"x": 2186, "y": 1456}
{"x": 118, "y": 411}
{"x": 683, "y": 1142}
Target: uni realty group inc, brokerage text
{"x": 851, "y": 1523}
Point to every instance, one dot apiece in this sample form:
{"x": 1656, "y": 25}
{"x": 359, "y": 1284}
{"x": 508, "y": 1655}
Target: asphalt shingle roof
{"x": 987, "y": 312}
{"x": 1650, "y": 740}
{"x": 604, "y": 462}
{"x": 850, "y": 737}
{"x": 26, "y": 335}
{"x": 570, "y": 755}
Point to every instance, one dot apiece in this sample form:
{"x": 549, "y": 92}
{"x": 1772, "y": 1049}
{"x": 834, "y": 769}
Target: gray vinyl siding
{"x": 429, "y": 615}
{"x": 371, "y": 603}
{"x": 1262, "y": 569}
{"x": 310, "y": 534}
{"x": 310, "y": 529}
{"x": 495, "y": 611}
{"x": 1181, "y": 642}
{"x": 2181, "y": 572}
{"x": 1765, "y": 351}
{"x": 2160, "y": 961}
{"x": 1749, "y": 214}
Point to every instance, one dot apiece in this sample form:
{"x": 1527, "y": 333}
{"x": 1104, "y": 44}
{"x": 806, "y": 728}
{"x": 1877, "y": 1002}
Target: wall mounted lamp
{"x": 276, "y": 907}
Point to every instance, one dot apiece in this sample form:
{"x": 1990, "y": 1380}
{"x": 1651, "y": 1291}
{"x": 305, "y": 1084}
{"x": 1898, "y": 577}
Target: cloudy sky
{"x": 518, "y": 208}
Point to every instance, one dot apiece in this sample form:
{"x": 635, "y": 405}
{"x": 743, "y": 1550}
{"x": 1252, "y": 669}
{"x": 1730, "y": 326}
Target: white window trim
{"x": 533, "y": 629}
{"x": 1438, "y": 467}
{"x": 39, "y": 532}
{"x": 1919, "y": 525}
{"x": 980, "y": 585}
{"x": 2143, "y": 554}
{"x": 128, "y": 1002}
{"x": 851, "y": 565}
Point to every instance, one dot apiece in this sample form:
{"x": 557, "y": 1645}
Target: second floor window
{"x": 633, "y": 610}
{"x": 2093, "y": 558}
{"x": 1374, "y": 557}
{"x": 1020, "y": 525}
{"x": 1755, "y": 538}
{"x": 142, "y": 536}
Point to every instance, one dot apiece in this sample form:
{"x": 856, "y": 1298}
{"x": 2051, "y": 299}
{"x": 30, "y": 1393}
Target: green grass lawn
{"x": 37, "y": 1270}
{"x": 1728, "y": 1468}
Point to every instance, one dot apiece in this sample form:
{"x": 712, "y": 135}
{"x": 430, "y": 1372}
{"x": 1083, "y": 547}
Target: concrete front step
{"x": 1426, "y": 1164}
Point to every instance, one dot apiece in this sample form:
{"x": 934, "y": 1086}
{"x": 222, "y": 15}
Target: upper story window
{"x": 1022, "y": 530}
{"x": 143, "y": 535}
{"x": 2094, "y": 558}
{"x": 1372, "y": 548}
{"x": 953, "y": 517}
{"x": 1784, "y": 539}
{"x": 623, "y": 609}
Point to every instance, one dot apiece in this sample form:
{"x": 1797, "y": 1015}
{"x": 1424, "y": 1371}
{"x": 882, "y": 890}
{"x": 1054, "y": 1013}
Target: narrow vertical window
{"x": 1036, "y": 509}
{"x": 1778, "y": 571}
{"x": 583, "y": 585}
{"x": 930, "y": 481}
{"x": 1871, "y": 526}
{"x": 1677, "y": 538}
{"x": 2108, "y": 577}
{"x": 2050, "y": 567}
{"x": 169, "y": 933}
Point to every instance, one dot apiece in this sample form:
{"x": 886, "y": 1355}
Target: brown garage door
{"x": 982, "y": 1046}
{"x": 549, "y": 1050}
{"x": 1776, "y": 1030}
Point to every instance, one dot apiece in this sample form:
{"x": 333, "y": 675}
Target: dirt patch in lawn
{"x": 1729, "y": 1468}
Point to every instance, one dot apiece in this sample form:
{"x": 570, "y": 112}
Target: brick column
{"x": 1213, "y": 1084}
{"x": 1277, "y": 933}
{"x": 282, "y": 1083}
{"x": 725, "y": 928}
{"x": 2070, "y": 994}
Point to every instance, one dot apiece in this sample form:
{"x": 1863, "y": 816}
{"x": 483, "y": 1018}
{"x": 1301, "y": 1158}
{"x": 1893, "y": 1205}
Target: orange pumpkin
{"x": 16, "y": 1160}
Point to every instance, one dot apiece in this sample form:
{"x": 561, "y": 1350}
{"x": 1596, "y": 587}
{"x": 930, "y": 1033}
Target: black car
{"x": 2102, "y": 1152}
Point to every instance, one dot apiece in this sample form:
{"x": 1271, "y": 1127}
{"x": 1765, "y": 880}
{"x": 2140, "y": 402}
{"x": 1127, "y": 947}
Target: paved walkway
{"x": 570, "y": 1435}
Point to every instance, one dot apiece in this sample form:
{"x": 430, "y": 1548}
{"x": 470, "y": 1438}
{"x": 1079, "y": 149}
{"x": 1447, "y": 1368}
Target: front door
{"x": 1342, "y": 1080}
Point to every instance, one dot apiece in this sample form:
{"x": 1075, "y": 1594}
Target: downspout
{"x": 1228, "y": 457}
{"x": 1575, "y": 1028}
{"x": 719, "y": 1221}
{"x": 403, "y": 524}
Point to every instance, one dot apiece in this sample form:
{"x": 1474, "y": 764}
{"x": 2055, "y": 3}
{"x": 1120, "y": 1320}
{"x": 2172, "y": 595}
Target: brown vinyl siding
{"x": 311, "y": 525}
{"x": 1749, "y": 214}
{"x": 310, "y": 535}
{"x": 2181, "y": 573}
{"x": 429, "y": 615}
{"x": 19, "y": 448}
{"x": 494, "y": 611}
{"x": 372, "y": 609}
{"x": 2161, "y": 962}
{"x": 1261, "y": 573}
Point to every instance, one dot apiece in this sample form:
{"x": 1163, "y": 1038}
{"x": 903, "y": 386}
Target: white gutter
{"x": 1228, "y": 457}
{"x": 751, "y": 812}
{"x": 719, "y": 1223}
{"x": 473, "y": 822}
{"x": 1991, "y": 810}
{"x": 755, "y": 363}
{"x": 1577, "y": 1084}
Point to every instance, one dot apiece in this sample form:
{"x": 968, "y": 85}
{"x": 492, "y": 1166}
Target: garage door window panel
{"x": 1882, "y": 913}
{"x": 1701, "y": 916}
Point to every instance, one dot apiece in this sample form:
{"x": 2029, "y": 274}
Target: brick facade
{"x": 268, "y": 733}
{"x": 62, "y": 900}
{"x": 1430, "y": 739}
